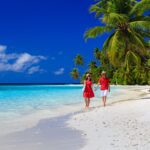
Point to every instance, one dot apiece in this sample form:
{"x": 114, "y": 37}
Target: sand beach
{"x": 122, "y": 125}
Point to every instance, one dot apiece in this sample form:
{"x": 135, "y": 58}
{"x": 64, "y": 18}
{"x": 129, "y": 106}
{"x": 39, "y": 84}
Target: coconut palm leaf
{"x": 116, "y": 48}
{"x": 142, "y": 25}
{"x": 140, "y": 7}
{"x": 96, "y": 31}
{"x": 144, "y": 33}
{"x": 132, "y": 59}
{"x": 97, "y": 10}
{"x": 107, "y": 42}
{"x": 114, "y": 18}
{"x": 135, "y": 40}
{"x": 140, "y": 18}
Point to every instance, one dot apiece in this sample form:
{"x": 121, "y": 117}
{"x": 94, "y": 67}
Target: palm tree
{"x": 97, "y": 53}
{"x": 128, "y": 27}
{"x": 75, "y": 73}
{"x": 92, "y": 65}
{"x": 78, "y": 60}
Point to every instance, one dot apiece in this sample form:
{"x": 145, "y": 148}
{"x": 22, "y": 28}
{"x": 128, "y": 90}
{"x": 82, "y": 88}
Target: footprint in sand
{"x": 104, "y": 123}
{"x": 135, "y": 145}
{"x": 112, "y": 144}
{"x": 84, "y": 134}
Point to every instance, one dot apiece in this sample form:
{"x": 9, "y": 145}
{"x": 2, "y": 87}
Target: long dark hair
{"x": 87, "y": 77}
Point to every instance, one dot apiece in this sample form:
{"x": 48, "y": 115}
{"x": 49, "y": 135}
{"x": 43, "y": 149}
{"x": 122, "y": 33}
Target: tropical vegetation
{"x": 125, "y": 54}
{"x": 75, "y": 73}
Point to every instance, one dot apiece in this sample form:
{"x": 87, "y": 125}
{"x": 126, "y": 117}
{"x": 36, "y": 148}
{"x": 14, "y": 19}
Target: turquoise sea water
{"x": 24, "y": 99}
{"x": 19, "y": 105}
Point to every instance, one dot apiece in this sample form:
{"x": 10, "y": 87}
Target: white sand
{"x": 31, "y": 120}
{"x": 48, "y": 134}
{"x": 119, "y": 126}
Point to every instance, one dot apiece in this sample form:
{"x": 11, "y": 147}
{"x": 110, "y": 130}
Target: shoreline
{"x": 31, "y": 120}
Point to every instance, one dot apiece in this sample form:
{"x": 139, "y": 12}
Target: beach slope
{"x": 119, "y": 126}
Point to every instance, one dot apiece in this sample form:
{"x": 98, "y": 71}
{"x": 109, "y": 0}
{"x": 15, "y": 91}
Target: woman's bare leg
{"x": 88, "y": 102}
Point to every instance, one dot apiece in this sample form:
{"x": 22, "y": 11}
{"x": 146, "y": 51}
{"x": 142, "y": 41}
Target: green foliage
{"x": 78, "y": 60}
{"x": 75, "y": 74}
{"x": 92, "y": 65}
{"x": 97, "y": 53}
{"x": 125, "y": 55}
{"x": 140, "y": 7}
{"x": 96, "y": 31}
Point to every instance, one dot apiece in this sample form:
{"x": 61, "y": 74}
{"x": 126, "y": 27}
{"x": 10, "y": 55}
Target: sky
{"x": 39, "y": 39}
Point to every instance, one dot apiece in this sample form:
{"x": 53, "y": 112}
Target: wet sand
{"x": 52, "y": 134}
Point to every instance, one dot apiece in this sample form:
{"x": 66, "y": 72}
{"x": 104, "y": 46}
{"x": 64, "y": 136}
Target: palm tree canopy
{"x": 128, "y": 27}
{"x": 92, "y": 65}
{"x": 75, "y": 73}
{"x": 125, "y": 54}
{"x": 78, "y": 60}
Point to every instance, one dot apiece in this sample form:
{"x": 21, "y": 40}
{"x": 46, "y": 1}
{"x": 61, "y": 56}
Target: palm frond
{"x": 107, "y": 42}
{"x": 142, "y": 25}
{"x": 132, "y": 60}
{"x": 144, "y": 33}
{"x": 140, "y": 18}
{"x": 114, "y": 18}
{"x": 96, "y": 31}
{"x": 97, "y": 10}
{"x": 135, "y": 39}
{"x": 140, "y": 7}
{"x": 116, "y": 48}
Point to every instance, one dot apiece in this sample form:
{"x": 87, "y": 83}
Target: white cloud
{"x": 3, "y": 48}
{"x": 35, "y": 69}
{"x": 26, "y": 60}
{"x": 7, "y": 57}
{"x": 18, "y": 62}
{"x": 60, "y": 71}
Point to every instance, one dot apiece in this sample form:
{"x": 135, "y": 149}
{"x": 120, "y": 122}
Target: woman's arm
{"x": 83, "y": 86}
{"x": 98, "y": 84}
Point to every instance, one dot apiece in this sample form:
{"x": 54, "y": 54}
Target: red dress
{"x": 88, "y": 92}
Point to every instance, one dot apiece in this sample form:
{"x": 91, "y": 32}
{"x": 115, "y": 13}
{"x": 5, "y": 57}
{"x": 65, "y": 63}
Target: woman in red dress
{"x": 88, "y": 91}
